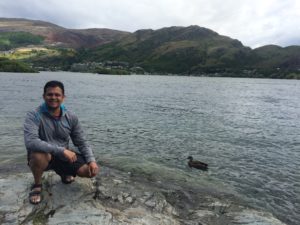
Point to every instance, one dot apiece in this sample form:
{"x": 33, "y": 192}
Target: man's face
{"x": 53, "y": 97}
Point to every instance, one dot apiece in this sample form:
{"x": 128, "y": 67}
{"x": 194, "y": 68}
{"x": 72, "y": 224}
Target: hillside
{"x": 276, "y": 56}
{"x": 196, "y": 50}
{"x": 60, "y": 36}
{"x": 191, "y": 50}
{"x": 7, "y": 65}
{"x": 11, "y": 40}
{"x": 175, "y": 50}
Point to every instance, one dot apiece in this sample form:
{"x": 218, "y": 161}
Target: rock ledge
{"x": 116, "y": 198}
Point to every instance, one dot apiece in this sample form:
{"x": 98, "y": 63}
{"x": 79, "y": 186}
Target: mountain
{"x": 175, "y": 50}
{"x": 277, "y": 57}
{"x": 60, "y": 36}
{"x": 197, "y": 50}
{"x": 191, "y": 50}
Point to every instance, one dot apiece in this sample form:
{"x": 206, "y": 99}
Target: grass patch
{"x": 26, "y": 53}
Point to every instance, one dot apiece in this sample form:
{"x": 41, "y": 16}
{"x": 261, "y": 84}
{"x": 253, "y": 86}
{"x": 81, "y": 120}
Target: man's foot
{"x": 35, "y": 194}
{"x": 67, "y": 179}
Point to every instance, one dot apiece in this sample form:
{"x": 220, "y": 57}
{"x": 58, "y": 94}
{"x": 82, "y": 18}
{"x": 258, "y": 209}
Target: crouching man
{"x": 47, "y": 131}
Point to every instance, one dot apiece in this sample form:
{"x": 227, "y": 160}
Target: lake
{"x": 247, "y": 130}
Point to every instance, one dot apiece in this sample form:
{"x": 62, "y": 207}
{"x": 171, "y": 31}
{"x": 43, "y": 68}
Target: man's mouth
{"x": 53, "y": 102}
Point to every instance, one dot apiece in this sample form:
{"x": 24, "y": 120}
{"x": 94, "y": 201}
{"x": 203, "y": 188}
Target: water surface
{"x": 247, "y": 130}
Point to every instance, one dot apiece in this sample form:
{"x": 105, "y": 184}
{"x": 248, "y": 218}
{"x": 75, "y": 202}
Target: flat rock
{"x": 115, "y": 198}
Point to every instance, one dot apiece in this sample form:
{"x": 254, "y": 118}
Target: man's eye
{"x": 52, "y": 94}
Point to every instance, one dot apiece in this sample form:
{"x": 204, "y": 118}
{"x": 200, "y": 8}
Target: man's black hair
{"x": 54, "y": 83}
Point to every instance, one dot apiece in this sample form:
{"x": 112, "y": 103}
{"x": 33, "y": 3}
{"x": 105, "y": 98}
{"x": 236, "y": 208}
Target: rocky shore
{"x": 117, "y": 197}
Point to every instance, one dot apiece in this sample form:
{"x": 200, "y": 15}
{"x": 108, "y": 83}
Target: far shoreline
{"x": 153, "y": 74}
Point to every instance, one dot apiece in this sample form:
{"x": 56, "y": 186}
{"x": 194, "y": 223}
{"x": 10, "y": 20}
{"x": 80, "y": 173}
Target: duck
{"x": 197, "y": 164}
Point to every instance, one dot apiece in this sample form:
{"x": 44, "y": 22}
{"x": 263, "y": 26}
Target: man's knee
{"x": 84, "y": 171}
{"x": 39, "y": 159}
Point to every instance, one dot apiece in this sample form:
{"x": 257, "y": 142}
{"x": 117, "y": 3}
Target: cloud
{"x": 254, "y": 22}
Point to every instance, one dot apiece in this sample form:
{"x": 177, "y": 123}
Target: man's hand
{"x": 93, "y": 169}
{"x": 71, "y": 156}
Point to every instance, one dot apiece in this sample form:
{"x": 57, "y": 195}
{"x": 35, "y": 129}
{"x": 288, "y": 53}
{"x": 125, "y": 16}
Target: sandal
{"x": 67, "y": 179}
{"x": 35, "y": 193}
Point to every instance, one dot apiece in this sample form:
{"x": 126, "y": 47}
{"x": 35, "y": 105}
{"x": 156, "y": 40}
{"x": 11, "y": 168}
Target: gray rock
{"x": 129, "y": 200}
{"x": 116, "y": 198}
{"x": 150, "y": 203}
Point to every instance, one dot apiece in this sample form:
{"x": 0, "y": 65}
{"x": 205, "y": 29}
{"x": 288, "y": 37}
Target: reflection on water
{"x": 247, "y": 130}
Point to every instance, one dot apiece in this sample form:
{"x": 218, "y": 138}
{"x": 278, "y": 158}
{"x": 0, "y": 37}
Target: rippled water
{"x": 247, "y": 130}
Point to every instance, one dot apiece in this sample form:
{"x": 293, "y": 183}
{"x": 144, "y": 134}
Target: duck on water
{"x": 197, "y": 164}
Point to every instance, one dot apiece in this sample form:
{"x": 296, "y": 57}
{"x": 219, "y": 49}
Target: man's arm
{"x": 79, "y": 140}
{"x": 32, "y": 139}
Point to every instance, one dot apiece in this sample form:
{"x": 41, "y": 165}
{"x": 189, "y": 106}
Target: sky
{"x": 253, "y": 22}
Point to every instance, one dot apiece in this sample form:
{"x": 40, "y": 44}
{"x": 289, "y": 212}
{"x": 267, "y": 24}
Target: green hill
{"x": 55, "y": 35}
{"x": 7, "y": 65}
{"x": 174, "y": 50}
{"x": 10, "y": 40}
{"x": 198, "y": 51}
{"x": 191, "y": 50}
{"x": 273, "y": 56}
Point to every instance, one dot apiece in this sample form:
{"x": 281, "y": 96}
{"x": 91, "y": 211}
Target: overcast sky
{"x": 253, "y": 22}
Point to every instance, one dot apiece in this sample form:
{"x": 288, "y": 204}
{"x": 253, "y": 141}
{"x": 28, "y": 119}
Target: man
{"x": 47, "y": 131}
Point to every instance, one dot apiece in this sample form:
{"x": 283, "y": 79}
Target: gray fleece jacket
{"x": 44, "y": 133}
